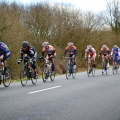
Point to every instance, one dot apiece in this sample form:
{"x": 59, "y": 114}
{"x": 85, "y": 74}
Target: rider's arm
{"x": 21, "y": 54}
{"x": 65, "y": 52}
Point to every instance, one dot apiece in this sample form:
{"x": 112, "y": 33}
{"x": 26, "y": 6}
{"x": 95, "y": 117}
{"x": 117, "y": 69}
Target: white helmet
{"x": 44, "y": 44}
{"x": 89, "y": 47}
{"x": 115, "y": 46}
{"x": 70, "y": 44}
{"x": 104, "y": 46}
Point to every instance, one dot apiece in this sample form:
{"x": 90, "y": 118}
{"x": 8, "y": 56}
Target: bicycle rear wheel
{"x": 8, "y": 77}
{"x": 23, "y": 76}
{"x": 44, "y": 74}
{"x": 34, "y": 76}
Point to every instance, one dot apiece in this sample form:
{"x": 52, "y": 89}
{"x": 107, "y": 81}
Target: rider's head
{"x": 70, "y": 44}
{"x": 45, "y": 44}
{"x": 89, "y": 47}
{"x": 115, "y": 46}
{"x": 25, "y": 45}
{"x": 104, "y": 47}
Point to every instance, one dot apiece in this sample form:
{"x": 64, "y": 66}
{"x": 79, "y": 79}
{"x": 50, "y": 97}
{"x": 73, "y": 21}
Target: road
{"x": 83, "y": 98}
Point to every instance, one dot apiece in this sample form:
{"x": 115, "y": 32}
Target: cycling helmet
{"x": 24, "y": 44}
{"x": 89, "y": 47}
{"x": 70, "y": 44}
{"x": 104, "y": 46}
{"x": 115, "y": 46}
{"x": 44, "y": 44}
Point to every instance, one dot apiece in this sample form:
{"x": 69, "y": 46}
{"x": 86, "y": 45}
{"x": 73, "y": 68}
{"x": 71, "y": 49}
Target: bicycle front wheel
{"x": 68, "y": 73}
{"x": 73, "y": 73}
{"x": 44, "y": 74}
{"x": 23, "y": 76}
{"x": 52, "y": 76}
{"x": 8, "y": 77}
{"x": 93, "y": 71}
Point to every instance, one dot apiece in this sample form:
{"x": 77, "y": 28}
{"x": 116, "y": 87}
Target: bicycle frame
{"x": 26, "y": 73}
{"x": 47, "y": 70}
{"x": 115, "y": 66}
{"x": 104, "y": 66}
{"x": 69, "y": 68}
{"x": 90, "y": 67}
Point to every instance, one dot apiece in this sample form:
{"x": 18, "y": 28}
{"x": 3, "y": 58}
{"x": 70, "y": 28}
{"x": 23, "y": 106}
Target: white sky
{"x": 84, "y": 5}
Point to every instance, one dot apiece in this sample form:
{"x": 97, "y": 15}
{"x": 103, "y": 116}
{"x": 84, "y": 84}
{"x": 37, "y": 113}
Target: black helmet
{"x": 24, "y": 44}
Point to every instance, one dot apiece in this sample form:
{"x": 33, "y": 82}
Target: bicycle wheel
{"x": 68, "y": 73}
{"x": 73, "y": 72}
{"x": 8, "y": 77}
{"x": 34, "y": 76}
{"x": 23, "y": 75}
{"x": 52, "y": 76}
{"x": 45, "y": 75}
{"x": 93, "y": 71}
{"x": 88, "y": 70}
{"x": 104, "y": 69}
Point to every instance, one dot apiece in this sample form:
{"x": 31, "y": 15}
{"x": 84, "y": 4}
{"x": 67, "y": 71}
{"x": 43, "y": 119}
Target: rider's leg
{"x": 6, "y": 56}
{"x": 53, "y": 66}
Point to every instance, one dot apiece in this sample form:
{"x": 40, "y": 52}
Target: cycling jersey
{"x": 90, "y": 52}
{"x": 30, "y": 51}
{"x": 50, "y": 50}
{"x": 104, "y": 51}
{"x": 4, "y": 50}
{"x": 116, "y": 54}
{"x": 72, "y": 50}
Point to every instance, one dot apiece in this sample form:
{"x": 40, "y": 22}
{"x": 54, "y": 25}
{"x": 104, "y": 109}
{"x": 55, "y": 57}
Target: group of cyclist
{"x": 104, "y": 53}
{"x": 31, "y": 53}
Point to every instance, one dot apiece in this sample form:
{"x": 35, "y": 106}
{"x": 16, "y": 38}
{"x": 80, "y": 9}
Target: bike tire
{"x": 23, "y": 76}
{"x": 73, "y": 73}
{"x": 93, "y": 71}
{"x": 44, "y": 74}
{"x": 52, "y": 76}
{"x": 88, "y": 70}
{"x": 68, "y": 73}
{"x": 7, "y": 79}
{"x": 34, "y": 77}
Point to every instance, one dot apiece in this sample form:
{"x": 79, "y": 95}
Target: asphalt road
{"x": 83, "y": 98}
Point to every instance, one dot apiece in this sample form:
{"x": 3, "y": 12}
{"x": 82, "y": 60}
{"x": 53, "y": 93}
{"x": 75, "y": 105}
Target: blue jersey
{"x": 3, "y": 48}
{"x": 115, "y": 51}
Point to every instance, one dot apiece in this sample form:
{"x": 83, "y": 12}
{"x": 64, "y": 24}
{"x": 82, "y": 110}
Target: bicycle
{"x": 70, "y": 70}
{"x": 90, "y": 68}
{"x": 115, "y": 67}
{"x": 47, "y": 70}
{"x": 104, "y": 66}
{"x": 27, "y": 73}
{"x": 5, "y": 78}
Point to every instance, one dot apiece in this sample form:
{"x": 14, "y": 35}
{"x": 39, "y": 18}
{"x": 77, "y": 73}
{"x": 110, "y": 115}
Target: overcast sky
{"x": 84, "y": 5}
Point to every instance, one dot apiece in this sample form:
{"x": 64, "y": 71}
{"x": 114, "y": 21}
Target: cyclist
{"x": 115, "y": 52}
{"x": 104, "y": 51}
{"x": 72, "y": 52}
{"x": 51, "y": 53}
{"x": 4, "y": 54}
{"x": 30, "y": 53}
{"x": 90, "y": 52}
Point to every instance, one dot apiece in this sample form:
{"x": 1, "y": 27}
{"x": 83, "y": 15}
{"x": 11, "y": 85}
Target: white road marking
{"x": 43, "y": 90}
